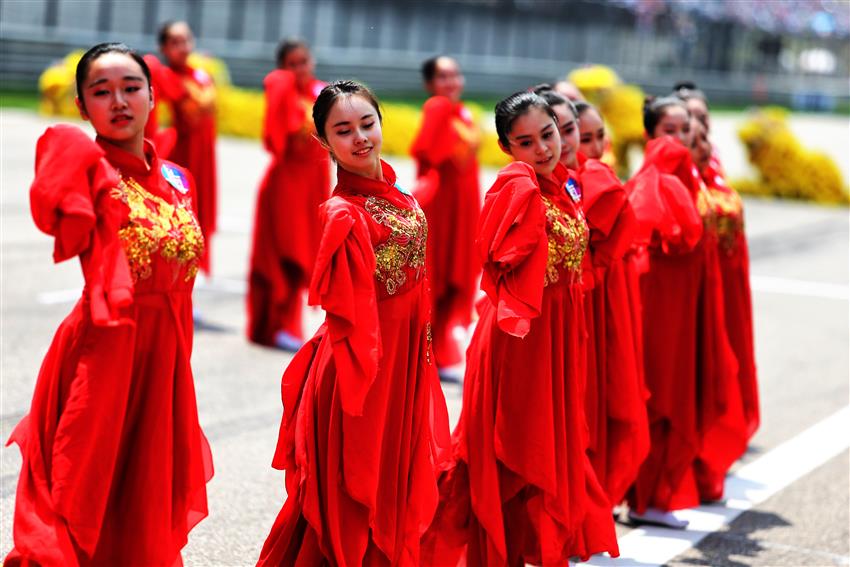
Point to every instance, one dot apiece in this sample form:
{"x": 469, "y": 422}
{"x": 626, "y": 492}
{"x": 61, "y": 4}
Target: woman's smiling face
{"x": 534, "y": 139}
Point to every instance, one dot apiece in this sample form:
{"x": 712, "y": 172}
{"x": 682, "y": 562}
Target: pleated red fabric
{"x": 616, "y": 395}
{"x": 727, "y": 440}
{"x": 522, "y": 488}
{"x": 193, "y": 145}
{"x": 365, "y": 426}
{"x": 286, "y": 222}
{"x": 445, "y": 148}
{"x": 114, "y": 462}
{"x": 688, "y": 361}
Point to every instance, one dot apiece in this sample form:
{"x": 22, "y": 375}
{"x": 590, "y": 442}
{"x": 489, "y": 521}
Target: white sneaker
{"x": 658, "y": 517}
{"x": 287, "y": 341}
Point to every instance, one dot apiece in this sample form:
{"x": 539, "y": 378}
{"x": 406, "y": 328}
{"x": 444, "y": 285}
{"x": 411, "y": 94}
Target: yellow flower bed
{"x": 787, "y": 168}
{"x": 621, "y": 106}
{"x": 239, "y": 112}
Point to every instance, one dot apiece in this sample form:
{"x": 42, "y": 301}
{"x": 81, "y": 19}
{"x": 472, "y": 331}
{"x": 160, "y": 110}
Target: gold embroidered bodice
{"x": 729, "y": 212}
{"x": 156, "y": 227}
{"x": 402, "y": 255}
{"x": 568, "y": 237}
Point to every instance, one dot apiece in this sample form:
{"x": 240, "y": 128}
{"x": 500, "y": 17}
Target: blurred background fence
{"x": 793, "y": 52}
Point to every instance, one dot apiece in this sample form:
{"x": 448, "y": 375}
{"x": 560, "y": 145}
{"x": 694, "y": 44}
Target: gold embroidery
{"x": 405, "y": 246}
{"x": 568, "y": 238}
{"x": 430, "y": 338}
{"x": 157, "y": 226}
{"x": 730, "y": 219}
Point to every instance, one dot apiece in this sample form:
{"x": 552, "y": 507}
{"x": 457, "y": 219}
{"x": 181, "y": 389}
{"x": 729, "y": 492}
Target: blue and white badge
{"x": 573, "y": 190}
{"x": 175, "y": 178}
{"x": 402, "y": 190}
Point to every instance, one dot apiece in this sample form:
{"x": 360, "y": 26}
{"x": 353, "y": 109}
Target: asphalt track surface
{"x": 791, "y": 493}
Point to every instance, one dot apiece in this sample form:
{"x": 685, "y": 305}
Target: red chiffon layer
{"x": 193, "y": 146}
{"x": 523, "y": 489}
{"x": 365, "y": 424}
{"x": 727, "y": 440}
{"x": 286, "y": 223}
{"x": 445, "y": 147}
{"x": 616, "y": 396}
{"x": 688, "y": 362}
{"x": 114, "y": 461}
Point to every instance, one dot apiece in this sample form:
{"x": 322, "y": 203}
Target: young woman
{"x": 286, "y": 226}
{"x": 593, "y": 139}
{"x": 190, "y": 94}
{"x": 365, "y": 420}
{"x": 616, "y": 397}
{"x": 522, "y": 489}
{"x": 741, "y": 420}
{"x": 445, "y": 148}
{"x": 114, "y": 461}
{"x": 687, "y": 358}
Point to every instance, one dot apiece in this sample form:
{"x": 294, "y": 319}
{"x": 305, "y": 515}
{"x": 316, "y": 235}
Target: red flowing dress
{"x": 616, "y": 395}
{"x": 738, "y": 424}
{"x": 365, "y": 423}
{"x": 445, "y": 148}
{"x": 190, "y": 93}
{"x": 114, "y": 462}
{"x": 286, "y": 223}
{"x": 688, "y": 362}
{"x": 522, "y": 488}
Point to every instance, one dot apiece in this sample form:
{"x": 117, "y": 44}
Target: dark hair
{"x": 553, "y": 97}
{"x": 654, "y": 109}
{"x": 329, "y": 95}
{"x": 165, "y": 29}
{"x": 429, "y": 67}
{"x": 686, "y": 90}
{"x": 102, "y": 49}
{"x": 514, "y": 106}
{"x": 582, "y": 106}
{"x": 287, "y": 46}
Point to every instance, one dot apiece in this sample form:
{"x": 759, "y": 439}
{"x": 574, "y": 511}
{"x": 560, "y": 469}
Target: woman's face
{"x": 354, "y": 135}
{"x": 534, "y": 139}
{"x": 592, "y": 134}
{"x": 699, "y": 110}
{"x": 117, "y": 98}
{"x": 448, "y": 81}
{"x": 178, "y": 45}
{"x": 674, "y": 122}
{"x": 700, "y": 146}
{"x": 301, "y": 63}
{"x": 569, "y": 135}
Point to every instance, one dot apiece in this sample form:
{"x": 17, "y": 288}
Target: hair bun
{"x": 689, "y": 85}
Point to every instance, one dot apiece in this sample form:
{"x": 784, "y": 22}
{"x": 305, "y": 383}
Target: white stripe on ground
{"x": 799, "y": 287}
{"x": 751, "y": 485}
{"x": 766, "y": 284}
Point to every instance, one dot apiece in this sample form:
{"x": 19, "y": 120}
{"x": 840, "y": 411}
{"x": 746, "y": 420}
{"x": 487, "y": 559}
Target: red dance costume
{"x": 616, "y": 395}
{"x": 523, "y": 488}
{"x": 688, "y": 363}
{"x": 286, "y": 226}
{"x": 445, "y": 148}
{"x": 736, "y": 426}
{"x": 114, "y": 462}
{"x": 365, "y": 422}
{"x": 190, "y": 94}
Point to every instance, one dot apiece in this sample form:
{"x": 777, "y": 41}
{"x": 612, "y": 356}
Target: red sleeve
{"x": 343, "y": 284}
{"x": 435, "y": 141}
{"x": 284, "y": 114}
{"x": 665, "y": 211}
{"x": 513, "y": 246}
{"x": 70, "y": 201}
{"x": 168, "y": 86}
{"x": 604, "y": 201}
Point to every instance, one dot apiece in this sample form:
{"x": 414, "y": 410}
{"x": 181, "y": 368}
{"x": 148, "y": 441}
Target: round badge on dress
{"x": 175, "y": 178}
{"x": 573, "y": 190}
{"x": 402, "y": 189}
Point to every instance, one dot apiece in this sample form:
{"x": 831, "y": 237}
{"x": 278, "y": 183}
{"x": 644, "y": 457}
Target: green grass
{"x": 19, "y": 99}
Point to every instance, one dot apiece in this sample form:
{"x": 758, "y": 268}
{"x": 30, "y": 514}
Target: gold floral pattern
{"x": 405, "y": 247}
{"x": 729, "y": 210}
{"x": 430, "y": 338}
{"x": 568, "y": 237}
{"x": 157, "y": 226}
